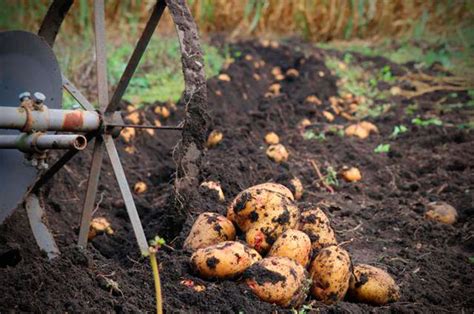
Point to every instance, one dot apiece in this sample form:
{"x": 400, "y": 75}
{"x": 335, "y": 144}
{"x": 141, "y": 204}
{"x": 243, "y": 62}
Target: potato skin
{"x": 293, "y": 244}
{"x": 208, "y": 229}
{"x": 441, "y": 212}
{"x": 252, "y": 200}
{"x": 224, "y": 260}
{"x": 330, "y": 273}
{"x": 278, "y": 215}
{"x": 372, "y": 285}
{"x": 278, "y": 280}
{"x": 316, "y": 225}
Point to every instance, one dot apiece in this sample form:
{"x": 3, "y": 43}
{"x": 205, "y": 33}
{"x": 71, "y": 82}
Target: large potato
{"x": 293, "y": 244}
{"x": 247, "y": 204}
{"x": 370, "y": 284}
{"x": 224, "y": 260}
{"x": 278, "y": 280}
{"x": 209, "y": 229}
{"x": 278, "y": 215}
{"x": 330, "y": 272}
{"x": 316, "y": 225}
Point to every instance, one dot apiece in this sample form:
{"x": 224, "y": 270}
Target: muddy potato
{"x": 316, "y": 225}
{"x": 441, "y": 212}
{"x": 330, "y": 273}
{"x": 278, "y": 153}
{"x": 247, "y": 204}
{"x": 224, "y": 260}
{"x": 370, "y": 284}
{"x": 278, "y": 280}
{"x": 293, "y": 244}
{"x": 297, "y": 187}
{"x": 209, "y": 229}
{"x": 278, "y": 215}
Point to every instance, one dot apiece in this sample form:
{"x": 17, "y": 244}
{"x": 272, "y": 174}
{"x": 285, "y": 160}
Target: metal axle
{"x": 39, "y": 142}
{"x": 45, "y": 119}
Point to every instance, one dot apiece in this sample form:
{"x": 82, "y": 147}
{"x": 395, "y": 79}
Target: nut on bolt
{"x": 25, "y": 95}
{"x": 39, "y": 97}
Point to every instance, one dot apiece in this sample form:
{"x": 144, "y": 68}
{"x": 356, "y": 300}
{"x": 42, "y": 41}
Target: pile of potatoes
{"x": 286, "y": 255}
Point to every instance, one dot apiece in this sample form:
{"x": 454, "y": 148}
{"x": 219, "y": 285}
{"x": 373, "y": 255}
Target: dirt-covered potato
{"x": 293, "y": 244}
{"x": 224, "y": 260}
{"x": 214, "y": 138}
{"x": 297, "y": 187}
{"x": 247, "y": 204}
{"x": 278, "y": 215}
{"x": 372, "y": 285}
{"x": 441, "y": 212}
{"x": 351, "y": 174}
{"x": 278, "y": 153}
{"x": 209, "y": 229}
{"x": 330, "y": 273}
{"x": 278, "y": 280}
{"x": 316, "y": 225}
{"x": 272, "y": 138}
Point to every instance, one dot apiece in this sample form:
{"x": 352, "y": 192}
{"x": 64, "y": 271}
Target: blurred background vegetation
{"x": 426, "y": 32}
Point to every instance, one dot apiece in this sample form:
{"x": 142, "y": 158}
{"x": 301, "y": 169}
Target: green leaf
{"x": 420, "y": 122}
{"x": 382, "y": 148}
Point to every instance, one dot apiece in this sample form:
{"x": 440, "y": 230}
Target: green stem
{"x": 156, "y": 277}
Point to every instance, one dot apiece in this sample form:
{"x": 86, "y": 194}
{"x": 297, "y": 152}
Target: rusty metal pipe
{"x": 39, "y": 142}
{"x": 45, "y": 119}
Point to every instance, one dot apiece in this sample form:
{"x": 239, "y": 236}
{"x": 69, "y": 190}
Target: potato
{"x": 441, "y": 212}
{"x": 357, "y": 130}
{"x": 224, "y": 260}
{"x": 316, "y": 225}
{"x": 278, "y": 153}
{"x": 293, "y": 244}
{"x": 247, "y": 204}
{"x": 328, "y": 115}
{"x": 297, "y": 186}
{"x": 278, "y": 215}
{"x": 99, "y": 225}
{"x": 214, "y": 138}
{"x": 351, "y": 175}
{"x": 278, "y": 280}
{"x": 330, "y": 272}
{"x": 216, "y": 187}
{"x": 272, "y": 138}
{"x": 224, "y": 77}
{"x": 209, "y": 229}
{"x": 370, "y": 284}
{"x": 140, "y": 187}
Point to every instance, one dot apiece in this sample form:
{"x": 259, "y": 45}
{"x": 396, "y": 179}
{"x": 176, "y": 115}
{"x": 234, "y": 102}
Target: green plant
{"x": 331, "y": 177}
{"x": 432, "y": 121}
{"x": 310, "y": 135}
{"x": 386, "y": 75}
{"x": 382, "y": 148}
{"x": 397, "y": 130}
{"x": 155, "y": 245}
{"x": 411, "y": 109}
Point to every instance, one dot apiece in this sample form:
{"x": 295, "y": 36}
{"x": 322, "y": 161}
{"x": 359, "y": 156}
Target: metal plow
{"x": 31, "y": 86}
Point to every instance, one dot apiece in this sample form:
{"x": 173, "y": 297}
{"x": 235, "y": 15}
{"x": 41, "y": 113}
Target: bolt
{"x": 39, "y": 97}
{"x": 24, "y": 95}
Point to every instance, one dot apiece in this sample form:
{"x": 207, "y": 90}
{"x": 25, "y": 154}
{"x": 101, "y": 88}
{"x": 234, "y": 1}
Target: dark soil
{"x": 383, "y": 213}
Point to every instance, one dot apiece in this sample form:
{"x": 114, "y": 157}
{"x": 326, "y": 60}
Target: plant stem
{"x": 156, "y": 277}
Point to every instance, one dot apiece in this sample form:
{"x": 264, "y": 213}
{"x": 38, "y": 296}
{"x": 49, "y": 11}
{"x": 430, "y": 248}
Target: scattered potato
{"x": 275, "y": 88}
{"x": 127, "y": 134}
{"x": 441, "y": 212}
{"x": 191, "y": 284}
{"x": 297, "y": 188}
{"x": 131, "y": 108}
{"x": 209, "y": 229}
{"x": 395, "y": 90}
{"x": 313, "y": 99}
{"x": 329, "y": 116}
{"x": 214, "y": 138}
{"x": 280, "y": 77}
{"x": 370, "y": 284}
{"x": 293, "y": 244}
{"x": 276, "y": 71}
{"x": 372, "y": 128}
{"x": 256, "y": 77}
{"x": 130, "y": 150}
{"x": 304, "y": 123}
{"x": 330, "y": 272}
{"x": 150, "y": 132}
{"x": 277, "y": 153}
{"x": 224, "y": 77}
{"x": 357, "y": 130}
{"x": 211, "y": 185}
{"x": 162, "y": 111}
{"x": 272, "y": 138}
{"x": 316, "y": 225}
{"x": 248, "y": 57}
{"x": 278, "y": 280}
{"x": 157, "y": 123}
{"x": 99, "y": 225}
{"x": 133, "y": 117}
{"x": 140, "y": 187}
{"x": 224, "y": 260}
{"x": 292, "y": 73}
{"x": 321, "y": 74}
{"x": 351, "y": 175}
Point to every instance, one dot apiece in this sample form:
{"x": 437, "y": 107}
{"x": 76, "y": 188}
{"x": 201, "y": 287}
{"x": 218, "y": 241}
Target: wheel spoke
{"x": 53, "y": 20}
{"x": 101, "y": 54}
{"x": 74, "y": 92}
{"x": 126, "y": 194}
{"x": 92, "y": 184}
{"x": 137, "y": 55}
